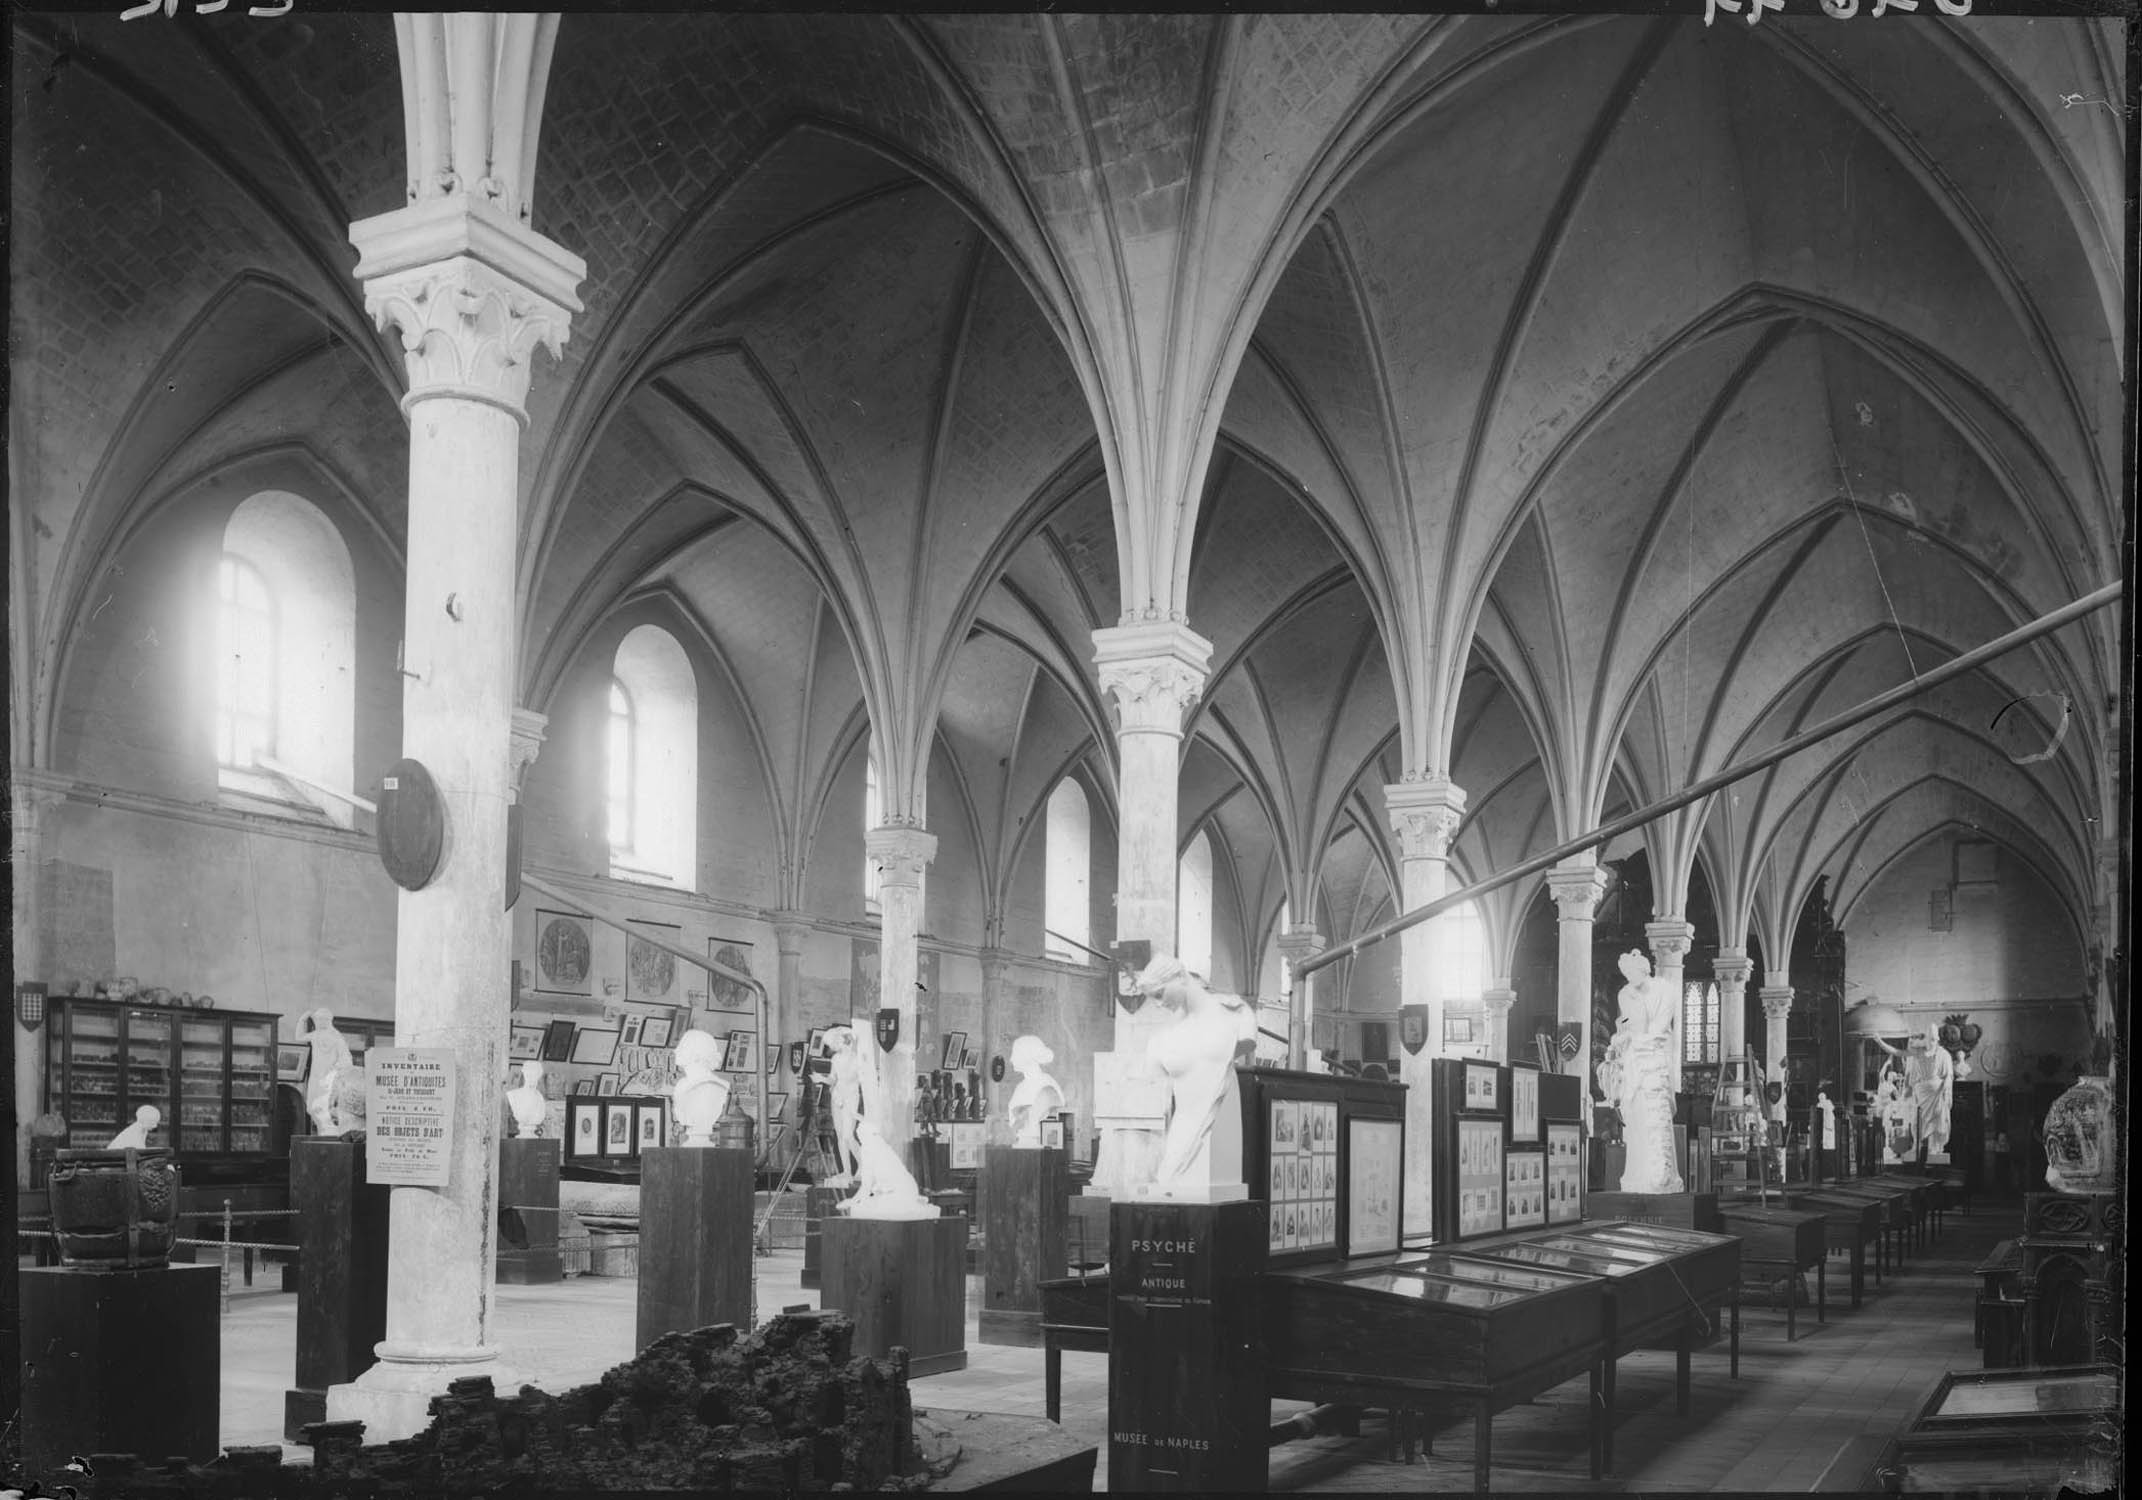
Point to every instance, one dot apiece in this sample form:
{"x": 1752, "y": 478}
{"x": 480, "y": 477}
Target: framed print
{"x": 583, "y": 1085}
{"x": 966, "y": 1146}
{"x": 1524, "y": 1105}
{"x": 726, "y": 993}
{"x": 606, "y": 1083}
{"x": 1480, "y": 1179}
{"x": 617, "y": 1130}
{"x": 651, "y": 971}
{"x": 655, "y": 1030}
{"x": 558, "y": 1041}
{"x": 583, "y": 1128}
{"x": 1480, "y": 1090}
{"x": 1052, "y": 1133}
{"x": 1457, "y": 1029}
{"x": 740, "y": 1053}
{"x": 776, "y": 1105}
{"x": 1375, "y": 1041}
{"x": 596, "y": 1047}
{"x": 971, "y": 1060}
{"x": 524, "y": 1041}
{"x": 564, "y": 953}
{"x": 629, "y": 1033}
{"x": 652, "y": 1131}
{"x": 955, "y": 1049}
{"x": 291, "y": 1062}
{"x": 815, "y": 1045}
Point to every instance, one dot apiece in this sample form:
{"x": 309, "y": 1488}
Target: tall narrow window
{"x": 1461, "y": 971}
{"x": 651, "y": 770}
{"x": 1066, "y": 899}
{"x": 1699, "y": 1022}
{"x": 285, "y": 606}
{"x": 1193, "y": 905}
{"x": 873, "y": 810}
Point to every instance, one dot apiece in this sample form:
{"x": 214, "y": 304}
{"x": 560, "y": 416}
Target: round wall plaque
{"x": 412, "y": 824}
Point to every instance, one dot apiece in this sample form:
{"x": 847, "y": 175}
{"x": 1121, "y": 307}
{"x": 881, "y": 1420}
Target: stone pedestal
{"x": 1187, "y": 1406}
{"x": 695, "y": 1240}
{"x": 528, "y": 1212}
{"x": 119, "y": 1362}
{"x": 818, "y": 1206}
{"x": 904, "y": 1283}
{"x": 342, "y": 1242}
{"x": 1024, "y": 1213}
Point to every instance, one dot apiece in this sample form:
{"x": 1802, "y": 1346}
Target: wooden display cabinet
{"x": 2041, "y": 1431}
{"x": 211, "y": 1074}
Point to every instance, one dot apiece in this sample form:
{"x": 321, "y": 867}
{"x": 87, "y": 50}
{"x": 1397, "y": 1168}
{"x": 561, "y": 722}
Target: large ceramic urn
{"x": 2082, "y": 1155}
{"x": 115, "y": 1210}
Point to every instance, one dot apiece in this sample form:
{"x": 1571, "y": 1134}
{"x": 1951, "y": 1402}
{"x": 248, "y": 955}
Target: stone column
{"x": 473, "y": 293}
{"x": 784, "y": 1012}
{"x": 1576, "y": 885}
{"x": 1425, "y": 815}
{"x": 998, "y": 1016}
{"x": 1777, "y": 1005}
{"x": 31, "y": 806}
{"x": 903, "y": 855}
{"x": 1152, "y": 672}
{"x": 1495, "y": 1002}
{"x": 1298, "y": 945}
{"x": 1732, "y": 969}
{"x": 1670, "y": 939}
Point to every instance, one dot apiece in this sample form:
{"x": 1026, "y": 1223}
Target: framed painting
{"x": 656, "y": 1030}
{"x": 617, "y": 1128}
{"x": 595, "y": 1047}
{"x": 558, "y": 1041}
{"x": 292, "y": 1062}
{"x": 583, "y": 1086}
{"x": 564, "y": 953}
{"x": 651, "y": 970}
{"x": 606, "y": 1083}
{"x": 652, "y": 1130}
{"x": 776, "y": 1104}
{"x": 955, "y": 1049}
{"x": 740, "y": 1053}
{"x": 725, "y": 993}
{"x": 863, "y": 977}
{"x": 815, "y": 1046}
{"x": 524, "y": 1041}
{"x": 629, "y": 1033}
{"x": 583, "y": 1128}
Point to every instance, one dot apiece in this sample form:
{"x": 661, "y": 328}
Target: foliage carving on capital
{"x": 466, "y": 329}
{"x": 1777, "y": 1002}
{"x": 1426, "y": 832}
{"x": 1670, "y": 941}
{"x": 1153, "y": 695}
{"x": 1576, "y": 893}
{"x": 1733, "y": 972}
{"x": 524, "y": 745}
{"x": 902, "y": 854}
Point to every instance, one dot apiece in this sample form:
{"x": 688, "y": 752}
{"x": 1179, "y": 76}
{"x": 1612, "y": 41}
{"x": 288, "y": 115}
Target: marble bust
{"x": 530, "y": 1108}
{"x": 136, "y": 1135}
{"x": 701, "y": 1094}
{"x": 1037, "y": 1096}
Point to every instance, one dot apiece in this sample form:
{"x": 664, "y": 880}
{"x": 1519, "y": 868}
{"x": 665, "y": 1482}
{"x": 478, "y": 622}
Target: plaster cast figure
{"x": 1037, "y": 1094}
{"x": 844, "y": 1095}
{"x": 701, "y": 1094}
{"x": 1828, "y": 1112}
{"x": 146, "y": 1119}
{"x": 1197, "y": 1054}
{"x": 884, "y": 1188}
{"x": 530, "y": 1108}
{"x": 1637, "y": 1076}
{"x": 334, "y": 1084}
{"x": 1930, "y": 1078}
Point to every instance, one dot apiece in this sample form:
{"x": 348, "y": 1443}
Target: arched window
{"x": 1461, "y": 970}
{"x": 286, "y": 649}
{"x": 1193, "y": 905}
{"x": 651, "y": 774}
{"x": 1067, "y": 906}
{"x": 873, "y": 810}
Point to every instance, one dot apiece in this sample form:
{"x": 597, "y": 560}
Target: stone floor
{"x": 1805, "y": 1416}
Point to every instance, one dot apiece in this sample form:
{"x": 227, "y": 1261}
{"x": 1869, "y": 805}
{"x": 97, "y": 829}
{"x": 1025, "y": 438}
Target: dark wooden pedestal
{"x": 1187, "y": 1407}
{"x": 818, "y": 1205}
{"x": 1024, "y": 1213}
{"x": 528, "y": 1212}
{"x": 119, "y": 1362}
{"x": 342, "y": 1273}
{"x": 904, "y": 1283}
{"x": 695, "y": 1239}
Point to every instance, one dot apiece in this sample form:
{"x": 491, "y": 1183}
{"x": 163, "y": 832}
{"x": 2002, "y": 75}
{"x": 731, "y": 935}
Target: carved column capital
{"x": 1298, "y": 943}
{"x": 996, "y": 969}
{"x": 1576, "y": 891}
{"x": 1497, "y": 999}
{"x": 31, "y": 798}
{"x": 790, "y": 928}
{"x": 1152, "y": 673}
{"x": 902, "y": 854}
{"x": 472, "y": 292}
{"x": 1426, "y": 815}
{"x": 525, "y": 744}
{"x": 1777, "y": 1001}
{"x": 1670, "y": 940}
{"x": 1733, "y": 969}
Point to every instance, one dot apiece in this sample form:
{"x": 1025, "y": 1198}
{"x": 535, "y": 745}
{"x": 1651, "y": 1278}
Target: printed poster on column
{"x": 409, "y": 1116}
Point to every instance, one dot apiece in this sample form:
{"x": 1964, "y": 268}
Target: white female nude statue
{"x": 1202, "y": 1147}
{"x": 1637, "y": 1076}
{"x": 1037, "y": 1096}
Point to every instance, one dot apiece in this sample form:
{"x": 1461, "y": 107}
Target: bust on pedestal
{"x": 528, "y": 1187}
{"x": 1037, "y": 1095}
{"x": 695, "y": 1210}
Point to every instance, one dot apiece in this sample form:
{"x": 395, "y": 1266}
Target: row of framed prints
{"x": 1508, "y": 1147}
{"x": 619, "y": 1127}
{"x": 596, "y": 1046}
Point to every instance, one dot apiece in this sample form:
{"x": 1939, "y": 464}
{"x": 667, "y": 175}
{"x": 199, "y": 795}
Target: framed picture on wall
{"x": 651, "y": 971}
{"x": 1375, "y": 1041}
{"x": 815, "y": 1044}
{"x": 598, "y": 1048}
{"x": 583, "y": 1127}
{"x": 655, "y": 1029}
{"x": 731, "y": 994}
{"x": 584, "y": 1086}
{"x": 606, "y": 1083}
{"x": 524, "y": 1041}
{"x": 955, "y": 1049}
{"x": 653, "y": 1130}
{"x": 1052, "y": 1133}
{"x": 558, "y": 1041}
{"x": 617, "y": 1136}
{"x": 564, "y": 953}
{"x": 629, "y": 1033}
{"x": 291, "y": 1062}
{"x": 740, "y": 1053}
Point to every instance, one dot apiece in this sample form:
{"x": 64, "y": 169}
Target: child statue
{"x": 529, "y": 1106}
{"x": 1037, "y": 1095}
{"x": 701, "y": 1095}
{"x": 136, "y": 1135}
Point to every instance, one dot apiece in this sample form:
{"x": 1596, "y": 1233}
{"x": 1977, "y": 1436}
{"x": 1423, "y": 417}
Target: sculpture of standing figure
{"x": 1201, "y": 1151}
{"x": 529, "y": 1106}
{"x": 334, "y": 1089}
{"x": 1637, "y": 1076}
{"x": 1037, "y": 1094}
{"x": 1925, "y": 1092}
{"x": 845, "y": 1096}
{"x": 701, "y": 1095}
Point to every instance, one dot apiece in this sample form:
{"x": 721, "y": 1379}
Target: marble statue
{"x": 529, "y": 1106}
{"x": 136, "y": 1135}
{"x": 1201, "y": 1146}
{"x": 701, "y": 1094}
{"x": 334, "y": 1083}
{"x": 1930, "y": 1079}
{"x": 1038, "y": 1095}
{"x": 1828, "y": 1113}
{"x": 844, "y": 1096}
{"x": 1637, "y": 1077}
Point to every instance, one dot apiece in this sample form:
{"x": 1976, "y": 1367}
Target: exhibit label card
{"x": 409, "y": 1115}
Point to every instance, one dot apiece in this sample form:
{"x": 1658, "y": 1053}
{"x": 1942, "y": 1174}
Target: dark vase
{"x": 115, "y": 1210}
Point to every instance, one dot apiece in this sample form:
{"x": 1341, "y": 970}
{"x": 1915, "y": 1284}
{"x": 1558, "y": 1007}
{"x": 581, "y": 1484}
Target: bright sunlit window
{"x": 1067, "y": 873}
{"x": 651, "y": 760}
{"x": 873, "y": 809}
{"x": 1699, "y": 1022}
{"x": 618, "y": 744}
{"x": 1460, "y": 946}
{"x": 1193, "y": 905}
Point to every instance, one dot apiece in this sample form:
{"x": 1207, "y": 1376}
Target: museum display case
{"x": 2012, "y": 1432}
{"x": 210, "y": 1074}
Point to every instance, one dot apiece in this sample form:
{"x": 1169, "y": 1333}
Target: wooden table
{"x": 1782, "y": 1237}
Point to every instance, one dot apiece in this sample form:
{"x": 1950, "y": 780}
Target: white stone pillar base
{"x": 393, "y": 1398}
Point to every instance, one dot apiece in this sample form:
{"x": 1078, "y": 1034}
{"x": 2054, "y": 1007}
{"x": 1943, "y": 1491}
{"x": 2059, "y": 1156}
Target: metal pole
{"x": 2089, "y": 603}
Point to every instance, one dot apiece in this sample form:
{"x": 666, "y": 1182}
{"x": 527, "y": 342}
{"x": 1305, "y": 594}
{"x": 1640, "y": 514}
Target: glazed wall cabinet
{"x": 210, "y": 1072}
